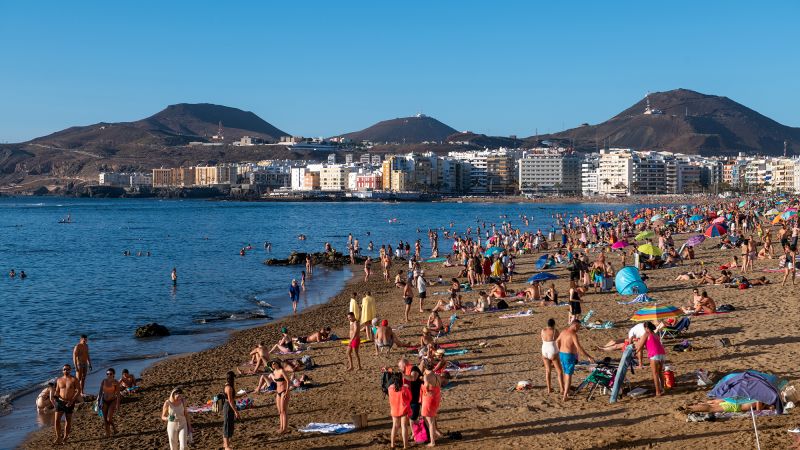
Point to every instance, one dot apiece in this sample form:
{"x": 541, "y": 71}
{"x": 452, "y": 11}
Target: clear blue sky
{"x": 327, "y": 67}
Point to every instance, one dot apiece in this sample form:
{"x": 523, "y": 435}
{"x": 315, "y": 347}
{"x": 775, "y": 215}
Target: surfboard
{"x": 619, "y": 378}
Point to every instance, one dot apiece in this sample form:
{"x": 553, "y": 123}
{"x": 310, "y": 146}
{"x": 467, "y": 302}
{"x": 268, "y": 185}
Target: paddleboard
{"x": 619, "y": 378}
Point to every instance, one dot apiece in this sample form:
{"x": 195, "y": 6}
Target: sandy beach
{"x": 481, "y": 404}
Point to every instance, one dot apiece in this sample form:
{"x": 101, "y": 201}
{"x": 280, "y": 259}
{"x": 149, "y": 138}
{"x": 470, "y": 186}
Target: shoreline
{"x": 22, "y": 420}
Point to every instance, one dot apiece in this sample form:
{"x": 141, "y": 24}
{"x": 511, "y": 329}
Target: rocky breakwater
{"x": 328, "y": 259}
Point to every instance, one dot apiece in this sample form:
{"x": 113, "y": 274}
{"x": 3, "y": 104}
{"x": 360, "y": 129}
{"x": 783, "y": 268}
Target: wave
{"x": 238, "y": 315}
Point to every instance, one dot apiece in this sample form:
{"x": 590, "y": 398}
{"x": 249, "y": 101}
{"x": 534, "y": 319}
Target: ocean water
{"x": 79, "y": 281}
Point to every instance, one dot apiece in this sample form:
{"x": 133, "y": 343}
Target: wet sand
{"x": 481, "y": 404}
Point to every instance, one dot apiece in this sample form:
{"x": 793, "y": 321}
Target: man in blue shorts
{"x": 569, "y": 349}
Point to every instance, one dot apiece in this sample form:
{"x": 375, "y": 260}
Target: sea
{"x": 107, "y": 271}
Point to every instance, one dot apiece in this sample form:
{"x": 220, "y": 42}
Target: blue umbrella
{"x": 493, "y": 251}
{"x": 542, "y": 276}
{"x": 544, "y": 262}
{"x": 604, "y": 224}
{"x": 638, "y": 221}
{"x": 695, "y": 218}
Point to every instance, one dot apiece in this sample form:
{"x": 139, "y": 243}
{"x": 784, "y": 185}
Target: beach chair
{"x": 602, "y": 376}
{"x": 447, "y": 329}
{"x": 677, "y": 330}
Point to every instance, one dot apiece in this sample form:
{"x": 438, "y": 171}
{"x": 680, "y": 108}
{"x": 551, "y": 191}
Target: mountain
{"x": 175, "y": 125}
{"x": 404, "y": 130}
{"x": 687, "y": 122}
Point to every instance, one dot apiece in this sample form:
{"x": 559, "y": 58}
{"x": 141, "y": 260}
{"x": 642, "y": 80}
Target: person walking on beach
{"x": 282, "y": 384}
{"x": 82, "y": 361}
{"x": 550, "y": 356}
{"x": 229, "y": 412}
{"x": 178, "y": 418}
{"x": 63, "y": 397}
{"x": 108, "y": 398}
{"x": 294, "y": 295}
{"x": 355, "y": 342}
{"x": 422, "y": 288}
{"x": 367, "y": 268}
{"x": 789, "y": 268}
{"x": 174, "y": 276}
{"x": 408, "y": 297}
{"x": 569, "y": 349}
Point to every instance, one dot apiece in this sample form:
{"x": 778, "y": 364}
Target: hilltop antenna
{"x": 219, "y": 135}
{"x": 785, "y": 148}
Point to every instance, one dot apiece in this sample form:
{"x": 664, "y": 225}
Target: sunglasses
{"x": 65, "y": 369}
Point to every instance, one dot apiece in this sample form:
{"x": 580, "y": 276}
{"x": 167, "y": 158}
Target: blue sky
{"x": 327, "y": 67}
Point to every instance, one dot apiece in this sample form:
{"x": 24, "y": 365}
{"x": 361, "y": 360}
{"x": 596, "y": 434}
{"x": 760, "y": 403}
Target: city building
{"x": 333, "y": 177}
{"x": 550, "y": 171}
{"x": 615, "y": 172}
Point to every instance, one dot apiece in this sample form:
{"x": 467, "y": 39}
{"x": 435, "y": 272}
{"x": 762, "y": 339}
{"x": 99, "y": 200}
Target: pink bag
{"x": 419, "y": 431}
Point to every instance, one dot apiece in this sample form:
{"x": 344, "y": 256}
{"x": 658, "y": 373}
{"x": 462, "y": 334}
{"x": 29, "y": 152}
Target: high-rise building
{"x": 550, "y": 172}
{"x": 615, "y": 173}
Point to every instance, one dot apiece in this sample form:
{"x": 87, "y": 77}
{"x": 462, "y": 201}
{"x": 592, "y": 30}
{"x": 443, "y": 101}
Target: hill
{"x": 404, "y": 130}
{"x": 175, "y": 125}
{"x": 688, "y": 122}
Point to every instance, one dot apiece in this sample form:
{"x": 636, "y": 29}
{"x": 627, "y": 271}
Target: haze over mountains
{"x": 680, "y": 121}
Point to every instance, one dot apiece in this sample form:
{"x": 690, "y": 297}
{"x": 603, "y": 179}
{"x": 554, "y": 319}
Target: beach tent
{"x": 629, "y": 282}
{"x": 542, "y": 277}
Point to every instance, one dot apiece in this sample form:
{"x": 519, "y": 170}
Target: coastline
{"x": 482, "y": 404}
{"x": 22, "y": 420}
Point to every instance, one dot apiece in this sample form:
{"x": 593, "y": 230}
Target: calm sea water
{"x": 80, "y": 282}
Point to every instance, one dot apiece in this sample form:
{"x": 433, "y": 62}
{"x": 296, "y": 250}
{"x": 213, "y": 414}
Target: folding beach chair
{"x": 602, "y": 376}
{"x": 679, "y": 328}
{"x": 447, "y": 329}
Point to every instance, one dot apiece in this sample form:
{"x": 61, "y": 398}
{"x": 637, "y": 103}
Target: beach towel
{"x": 435, "y": 260}
{"x": 518, "y": 314}
{"x": 327, "y": 428}
{"x": 463, "y": 367}
{"x": 454, "y": 351}
{"x": 414, "y": 348}
{"x": 295, "y": 352}
{"x": 600, "y": 326}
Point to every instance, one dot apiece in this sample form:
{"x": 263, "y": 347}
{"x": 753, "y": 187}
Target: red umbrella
{"x": 716, "y": 230}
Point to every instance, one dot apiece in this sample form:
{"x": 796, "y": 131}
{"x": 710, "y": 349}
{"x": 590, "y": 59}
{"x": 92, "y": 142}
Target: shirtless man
{"x": 386, "y": 339}
{"x": 408, "y": 298}
{"x": 355, "y": 342}
{"x": 66, "y": 393}
{"x": 258, "y": 356}
{"x": 82, "y": 361}
{"x": 569, "y": 349}
{"x": 323, "y": 335}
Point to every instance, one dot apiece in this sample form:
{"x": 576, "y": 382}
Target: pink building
{"x": 369, "y": 182}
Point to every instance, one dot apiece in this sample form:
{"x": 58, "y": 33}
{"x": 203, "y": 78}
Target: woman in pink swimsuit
{"x": 656, "y": 353}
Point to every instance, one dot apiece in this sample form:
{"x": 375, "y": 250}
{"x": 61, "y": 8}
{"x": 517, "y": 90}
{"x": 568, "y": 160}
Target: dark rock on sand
{"x": 151, "y": 330}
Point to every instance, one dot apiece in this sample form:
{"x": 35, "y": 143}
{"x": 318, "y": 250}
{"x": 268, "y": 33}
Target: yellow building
{"x": 163, "y": 177}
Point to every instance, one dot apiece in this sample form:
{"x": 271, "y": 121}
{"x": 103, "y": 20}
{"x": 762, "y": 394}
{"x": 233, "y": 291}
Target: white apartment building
{"x": 550, "y": 171}
{"x": 334, "y": 177}
{"x": 796, "y": 175}
{"x": 590, "y": 171}
{"x": 615, "y": 173}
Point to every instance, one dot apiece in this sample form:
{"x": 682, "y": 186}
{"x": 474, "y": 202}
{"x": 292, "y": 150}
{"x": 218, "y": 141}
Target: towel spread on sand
{"x": 518, "y": 314}
{"x": 327, "y": 428}
{"x": 452, "y": 352}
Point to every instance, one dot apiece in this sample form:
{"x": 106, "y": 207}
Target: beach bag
{"x": 502, "y": 304}
{"x": 419, "y": 431}
{"x": 725, "y": 308}
{"x": 217, "y": 402}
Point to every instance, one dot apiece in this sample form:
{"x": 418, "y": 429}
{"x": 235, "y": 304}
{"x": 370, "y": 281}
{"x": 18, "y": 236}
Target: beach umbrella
{"x": 777, "y": 219}
{"x": 695, "y": 240}
{"x": 715, "y": 230}
{"x": 493, "y": 251}
{"x": 656, "y": 217}
{"x": 772, "y": 212}
{"x": 650, "y": 249}
{"x": 542, "y": 277}
{"x": 629, "y": 282}
{"x": 638, "y": 221}
{"x": 719, "y": 219}
{"x": 656, "y": 313}
{"x": 619, "y": 244}
{"x": 645, "y": 235}
{"x": 742, "y": 203}
{"x": 786, "y": 215}
{"x": 695, "y": 218}
{"x": 604, "y": 224}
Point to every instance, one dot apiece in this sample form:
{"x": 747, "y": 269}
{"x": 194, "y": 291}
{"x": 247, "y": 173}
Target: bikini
{"x": 280, "y": 380}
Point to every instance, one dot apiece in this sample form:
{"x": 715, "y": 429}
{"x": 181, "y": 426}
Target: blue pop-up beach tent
{"x": 545, "y": 262}
{"x": 629, "y": 282}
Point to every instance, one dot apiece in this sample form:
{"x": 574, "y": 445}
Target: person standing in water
{"x": 82, "y": 361}
{"x": 294, "y": 295}
{"x": 174, "y": 276}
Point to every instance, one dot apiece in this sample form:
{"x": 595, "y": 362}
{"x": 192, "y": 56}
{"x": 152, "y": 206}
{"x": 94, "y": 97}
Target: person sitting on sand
{"x": 534, "y": 292}
{"x": 127, "y": 383}
{"x": 285, "y": 344}
{"x": 484, "y": 303}
{"x": 258, "y": 358}
{"x": 550, "y": 297}
{"x": 688, "y": 252}
{"x": 673, "y": 258}
{"x": 435, "y": 322}
{"x": 386, "y": 339}
{"x": 703, "y": 305}
{"x": 441, "y": 305}
{"x": 498, "y": 291}
{"x": 721, "y": 406}
{"x": 323, "y": 335}
{"x": 455, "y": 303}
{"x": 426, "y": 339}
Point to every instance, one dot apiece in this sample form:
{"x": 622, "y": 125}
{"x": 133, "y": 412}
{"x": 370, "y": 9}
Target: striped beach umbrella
{"x": 789, "y": 213}
{"x": 650, "y": 249}
{"x": 719, "y": 219}
{"x": 656, "y": 313}
{"x": 716, "y": 230}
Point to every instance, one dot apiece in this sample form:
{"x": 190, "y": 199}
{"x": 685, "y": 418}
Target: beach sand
{"x": 481, "y": 404}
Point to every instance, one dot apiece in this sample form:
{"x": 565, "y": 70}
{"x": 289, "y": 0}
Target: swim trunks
{"x": 83, "y": 367}
{"x": 568, "y": 361}
{"x": 354, "y": 343}
{"x": 61, "y": 406}
{"x": 407, "y": 300}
